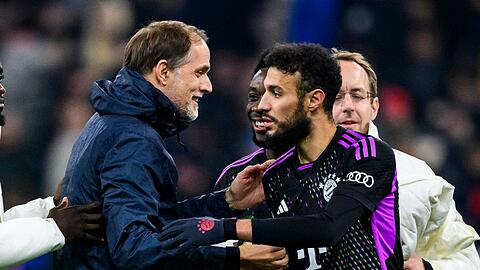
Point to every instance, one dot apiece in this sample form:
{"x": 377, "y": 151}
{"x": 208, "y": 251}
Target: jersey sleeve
{"x": 368, "y": 173}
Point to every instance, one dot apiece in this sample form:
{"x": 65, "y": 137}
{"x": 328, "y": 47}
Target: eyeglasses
{"x": 355, "y": 96}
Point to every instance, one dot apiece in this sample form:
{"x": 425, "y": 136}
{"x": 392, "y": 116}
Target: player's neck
{"x": 310, "y": 148}
{"x": 272, "y": 154}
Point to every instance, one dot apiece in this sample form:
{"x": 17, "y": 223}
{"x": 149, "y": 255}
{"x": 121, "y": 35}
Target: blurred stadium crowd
{"x": 426, "y": 54}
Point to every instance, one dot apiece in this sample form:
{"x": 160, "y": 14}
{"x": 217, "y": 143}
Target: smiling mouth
{"x": 261, "y": 125}
{"x": 196, "y": 99}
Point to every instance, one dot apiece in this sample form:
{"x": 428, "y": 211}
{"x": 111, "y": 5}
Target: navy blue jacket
{"x": 121, "y": 160}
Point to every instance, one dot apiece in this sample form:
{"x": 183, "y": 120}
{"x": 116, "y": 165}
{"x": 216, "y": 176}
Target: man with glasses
{"x": 431, "y": 227}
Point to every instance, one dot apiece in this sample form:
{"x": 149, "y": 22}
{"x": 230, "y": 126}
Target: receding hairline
{"x": 360, "y": 60}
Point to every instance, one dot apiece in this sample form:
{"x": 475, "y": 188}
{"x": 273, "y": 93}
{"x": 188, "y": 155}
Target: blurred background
{"x": 425, "y": 52}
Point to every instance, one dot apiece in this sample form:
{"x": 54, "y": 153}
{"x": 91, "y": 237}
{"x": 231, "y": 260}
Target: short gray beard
{"x": 182, "y": 106}
{"x": 187, "y": 114}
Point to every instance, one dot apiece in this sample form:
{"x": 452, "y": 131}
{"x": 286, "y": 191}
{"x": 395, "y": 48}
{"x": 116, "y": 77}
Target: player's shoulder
{"x": 281, "y": 161}
{"x": 255, "y": 157}
{"x": 364, "y": 145}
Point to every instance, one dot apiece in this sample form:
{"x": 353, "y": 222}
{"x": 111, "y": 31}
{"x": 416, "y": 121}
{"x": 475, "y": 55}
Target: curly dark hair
{"x": 317, "y": 67}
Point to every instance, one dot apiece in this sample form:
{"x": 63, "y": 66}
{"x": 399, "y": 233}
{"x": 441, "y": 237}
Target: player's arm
{"x": 349, "y": 201}
{"x": 341, "y": 213}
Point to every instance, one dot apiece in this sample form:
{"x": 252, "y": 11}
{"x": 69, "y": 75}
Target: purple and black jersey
{"x": 230, "y": 172}
{"x": 354, "y": 167}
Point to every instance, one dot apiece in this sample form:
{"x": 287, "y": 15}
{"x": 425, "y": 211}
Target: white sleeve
{"x": 452, "y": 246}
{"x": 466, "y": 259}
{"x": 23, "y": 239}
{"x": 423, "y": 207}
{"x": 36, "y": 208}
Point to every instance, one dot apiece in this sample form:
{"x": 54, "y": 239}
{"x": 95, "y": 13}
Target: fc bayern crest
{"x": 328, "y": 188}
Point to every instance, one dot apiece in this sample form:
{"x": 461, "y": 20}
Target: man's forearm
{"x": 301, "y": 230}
{"x": 214, "y": 204}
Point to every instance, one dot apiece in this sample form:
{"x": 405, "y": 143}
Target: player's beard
{"x": 290, "y": 132}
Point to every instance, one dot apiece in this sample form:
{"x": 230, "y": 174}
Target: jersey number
{"x": 311, "y": 257}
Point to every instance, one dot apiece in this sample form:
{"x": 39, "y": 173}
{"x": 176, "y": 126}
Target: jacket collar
{"x": 131, "y": 94}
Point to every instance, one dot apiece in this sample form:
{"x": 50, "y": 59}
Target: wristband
{"x": 230, "y": 228}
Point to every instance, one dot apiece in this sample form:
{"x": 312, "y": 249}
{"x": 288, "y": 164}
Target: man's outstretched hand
{"x": 79, "y": 222}
{"x": 183, "y": 234}
{"x": 247, "y": 189}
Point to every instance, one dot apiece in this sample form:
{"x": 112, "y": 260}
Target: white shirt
{"x": 26, "y": 232}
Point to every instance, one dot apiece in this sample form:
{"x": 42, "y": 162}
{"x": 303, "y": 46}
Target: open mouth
{"x": 261, "y": 124}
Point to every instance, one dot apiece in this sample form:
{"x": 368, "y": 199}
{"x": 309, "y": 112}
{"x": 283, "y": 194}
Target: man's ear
{"x": 315, "y": 99}
{"x": 161, "y": 71}
{"x": 375, "y": 108}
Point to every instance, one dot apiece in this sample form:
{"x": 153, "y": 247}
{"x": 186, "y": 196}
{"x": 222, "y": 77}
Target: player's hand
{"x": 414, "y": 263}
{"x": 262, "y": 257}
{"x": 79, "y": 222}
{"x": 184, "y": 234}
{"x": 247, "y": 189}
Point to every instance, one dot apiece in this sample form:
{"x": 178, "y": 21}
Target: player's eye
{"x": 252, "y": 97}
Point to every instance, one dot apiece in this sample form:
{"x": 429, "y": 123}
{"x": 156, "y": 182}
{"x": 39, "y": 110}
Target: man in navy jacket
{"x": 120, "y": 156}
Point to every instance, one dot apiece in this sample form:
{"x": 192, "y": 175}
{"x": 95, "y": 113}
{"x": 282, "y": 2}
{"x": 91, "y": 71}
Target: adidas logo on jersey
{"x": 282, "y": 208}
